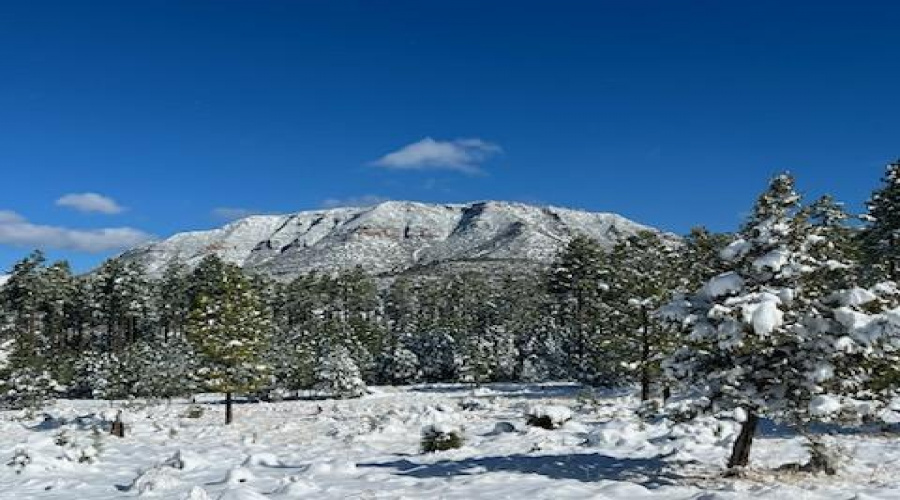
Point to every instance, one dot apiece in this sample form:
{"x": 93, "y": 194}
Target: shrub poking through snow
{"x": 20, "y": 460}
{"x": 194, "y": 411}
{"x": 649, "y": 409}
{"x": 441, "y": 437}
{"x": 154, "y": 480}
{"x": 238, "y": 475}
{"x": 548, "y": 417}
{"x": 62, "y": 438}
{"x": 503, "y": 428}
{"x": 89, "y": 454}
{"x": 471, "y": 404}
{"x": 197, "y": 493}
{"x": 824, "y": 457}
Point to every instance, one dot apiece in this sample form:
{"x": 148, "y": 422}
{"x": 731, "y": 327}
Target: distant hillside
{"x": 390, "y": 238}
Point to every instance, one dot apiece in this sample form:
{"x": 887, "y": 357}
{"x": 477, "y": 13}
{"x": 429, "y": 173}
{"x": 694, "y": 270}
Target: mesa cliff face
{"x": 389, "y": 238}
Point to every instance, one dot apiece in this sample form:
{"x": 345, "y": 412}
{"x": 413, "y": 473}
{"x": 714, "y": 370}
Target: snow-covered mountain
{"x": 389, "y": 238}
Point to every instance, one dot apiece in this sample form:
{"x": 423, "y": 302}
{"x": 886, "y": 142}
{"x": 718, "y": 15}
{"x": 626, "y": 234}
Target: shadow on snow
{"x": 506, "y": 390}
{"x": 588, "y": 467}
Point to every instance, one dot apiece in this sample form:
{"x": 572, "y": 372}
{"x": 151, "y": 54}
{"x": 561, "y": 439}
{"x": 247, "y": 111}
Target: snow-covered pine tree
{"x": 112, "y": 374}
{"x": 642, "y": 277}
{"x": 698, "y": 259}
{"x": 758, "y": 344}
{"x": 472, "y": 323}
{"x": 834, "y": 244}
{"x": 395, "y": 362}
{"x": 230, "y": 329}
{"x": 696, "y": 262}
{"x": 528, "y": 344}
{"x": 30, "y": 310}
{"x": 173, "y": 301}
{"x": 28, "y": 387}
{"x": 120, "y": 294}
{"x": 577, "y": 282}
{"x": 168, "y": 368}
{"x": 21, "y": 298}
{"x": 867, "y": 326}
{"x": 880, "y": 238}
{"x": 434, "y": 343}
{"x": 298, "y": 309}
{"x": 60, "y": 287}
{"x": 338, "y": 375}
{"x": 293, "y": 358}
{"x": 403, "y": 363}
{"x": 358, "y": 295}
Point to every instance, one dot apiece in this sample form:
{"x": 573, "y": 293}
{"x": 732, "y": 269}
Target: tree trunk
{"x": 228, "y": 414}
{"x": 645, "y": 383}
{"x": 645, "y": 356}
{"x": 118, "y": 429}
{"x": 740, "y": 453}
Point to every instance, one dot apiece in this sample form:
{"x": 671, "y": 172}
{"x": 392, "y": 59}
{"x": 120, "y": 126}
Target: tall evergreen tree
{"x": 643, "y": 277}
{"x": 880, "y": 238}
{"x": 120, "y": 295}
{"x": 577, "y": 281}
{"x": 759, "y": 343}
{"x": 24, "y": 377}
{"x": 173, "y": 301}
{"x": 230, "y": 329}
{"x": 22, "y": 297}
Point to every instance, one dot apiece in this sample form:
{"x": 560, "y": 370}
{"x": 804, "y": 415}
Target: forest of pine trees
{"x": 777, "y": 320}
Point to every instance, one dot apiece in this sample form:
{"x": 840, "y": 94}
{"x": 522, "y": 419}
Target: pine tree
{"x": 434, "y": 343}
{"x": 173, "y": 301}
{"x": 230, "y": 330}
{"x": 470, "y": 320}
{"x": 338, "y": 375}
{"x": 759, "y": 342}
{"x": 523, "y": 308}
{"x": 28, "y": 387}
{"x": 57, "y": 303}
{"x": 397, "y": 363}
{"x": 834, "y": 243}
{"x": 643, "y": 276}
{"x": 698, "y": 260}
{"x": 292, "y": 355}
{"x": 22, "y": 297}
{"x": 120, "y": 295}
{"x": 880, "y": 239}
{"x": 577, "y": 281}
{"x": 168, "y": 368}
{"x": 356, "y": 304}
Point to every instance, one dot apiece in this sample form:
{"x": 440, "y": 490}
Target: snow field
{"x": 370, "y": 448}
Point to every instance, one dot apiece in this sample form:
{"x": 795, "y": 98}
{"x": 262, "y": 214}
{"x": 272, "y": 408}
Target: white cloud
{"x": 461, "y": 155}
{"x": 234, "y": 213}
{"x": 90, "y": 202}
{"x": 18, "y": 231}
{"x": 365, "y": 200}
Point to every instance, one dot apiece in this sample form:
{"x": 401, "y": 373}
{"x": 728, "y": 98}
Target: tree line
{"x": 118, "y": 333}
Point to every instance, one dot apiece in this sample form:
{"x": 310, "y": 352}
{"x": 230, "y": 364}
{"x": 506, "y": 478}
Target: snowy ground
{"x": 369, "y": 449}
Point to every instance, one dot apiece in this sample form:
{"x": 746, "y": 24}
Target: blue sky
{"x": 182, "y": 113}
